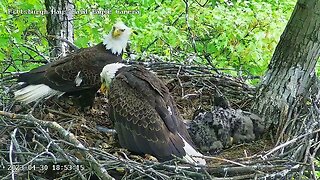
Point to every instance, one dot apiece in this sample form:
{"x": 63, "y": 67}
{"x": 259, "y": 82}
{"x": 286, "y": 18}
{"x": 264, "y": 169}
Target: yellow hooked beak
{"x": 116, "y": 33}
{"x": 104, "y": 89}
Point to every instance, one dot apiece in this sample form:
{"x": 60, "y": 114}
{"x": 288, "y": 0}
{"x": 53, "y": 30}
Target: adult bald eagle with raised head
{"x": 76, "y": 74}
{"x": 145, "y": 115}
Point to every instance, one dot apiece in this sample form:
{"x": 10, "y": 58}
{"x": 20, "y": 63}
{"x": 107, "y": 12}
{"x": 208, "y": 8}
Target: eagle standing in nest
{"x": 145, "y": 115}
{"x": 77, "y": 74}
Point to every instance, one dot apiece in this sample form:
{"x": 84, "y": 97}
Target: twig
{"x": 289, "y": 142}
{"x": 226, "y": 160}
{"x": 202, "y": 5}
{"x": 149, "y": 45}
{"x": 73, "y": 46}
{"x": 36, "y": 51}
{"x": 188, "y": 26}
{"x": 65, "y": 114}
{"x": 16, "y": 144}
{"x": 11, "y": 154}
{"x": 101, "y": 172}
{"x": 179, "y": 80}
{"x": 59, "y": 149}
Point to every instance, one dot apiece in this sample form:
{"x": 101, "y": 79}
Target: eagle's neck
{"x": 116, "y": 45}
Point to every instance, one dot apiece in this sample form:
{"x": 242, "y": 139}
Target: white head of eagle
{"x": 108, "y": 73}
{"x": 118, "y": 38}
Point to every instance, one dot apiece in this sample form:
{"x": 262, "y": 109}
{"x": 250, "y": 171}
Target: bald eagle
{"x": 76, "y": 74}
{"x": 145, "y": 115}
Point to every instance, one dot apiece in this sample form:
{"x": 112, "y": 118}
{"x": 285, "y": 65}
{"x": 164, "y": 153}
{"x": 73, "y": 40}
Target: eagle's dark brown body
{"x": 77, "y": 74}
{"x": 145, "y": 115}
{"x": 60, "y": 75}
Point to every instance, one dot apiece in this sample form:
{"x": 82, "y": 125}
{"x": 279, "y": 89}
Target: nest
{"x": 54, "y": 140}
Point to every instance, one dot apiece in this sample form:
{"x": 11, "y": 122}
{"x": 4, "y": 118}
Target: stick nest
{"x": 55, "y": 140}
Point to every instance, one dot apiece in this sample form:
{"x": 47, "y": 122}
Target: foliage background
{"x": 233, "y": 35}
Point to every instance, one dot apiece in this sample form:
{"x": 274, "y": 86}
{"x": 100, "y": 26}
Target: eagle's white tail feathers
{"x": 33, "y": 93}
{"x": 192, "y": 155}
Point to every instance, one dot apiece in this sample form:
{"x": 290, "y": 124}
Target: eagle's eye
{"x": 122, "y": 30}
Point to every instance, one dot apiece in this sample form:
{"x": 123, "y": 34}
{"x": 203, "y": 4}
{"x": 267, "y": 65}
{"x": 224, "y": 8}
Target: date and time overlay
{"x": 32, "y": 167}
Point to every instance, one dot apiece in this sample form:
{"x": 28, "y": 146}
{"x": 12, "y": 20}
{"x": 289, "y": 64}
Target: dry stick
{"x": 312, "y": 160}
{"x": 255, "y": 169}
{"x": 189, "y": 27}
{"x": 312, "y": 167}
{"x": 312, "y": 156}
{"x": 202, "y": 70}
{"x": 101, "y": 171}
{"x": 73, "y": 46}
{"x": 48, "y": 152}
{"x": 58, "y": 149}
{"x": 207, "y": 174}
{"x": 185, "y": 170}
{"x": 306, "y": 157}
{"x": 177, "y": 76}
{"x": 16, "y": 144}
{"x": 66, "y": 114}
{"x": 221, "y": 159}
{"x": 34, "y": 50}
{"x": 289, "y": 121}
{"x": 289, "y": 142}
{"x": 147, "y": 167}
{"x": 11, "y": 152}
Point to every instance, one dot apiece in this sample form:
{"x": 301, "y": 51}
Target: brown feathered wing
{"x": 75, "y": 74}
{"x": 145, "y": 115}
